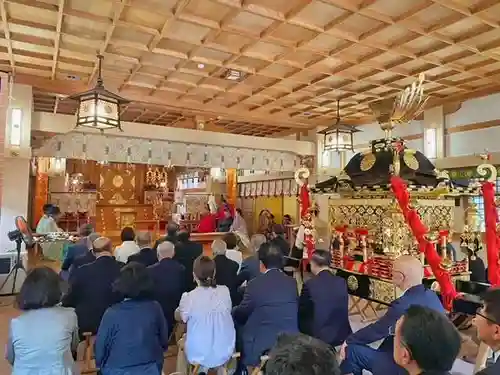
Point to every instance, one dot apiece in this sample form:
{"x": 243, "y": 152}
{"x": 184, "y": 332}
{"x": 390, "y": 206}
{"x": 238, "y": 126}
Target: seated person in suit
{"x": 232, "y": 250}
{"x": 487, "y": 322}
{"x": 90, "y": 287}
{"x": 133, "y": 335}
{"x": 250, "y": 268}
{"x": 297, "y": 354}
{"x": 425, "y": 342}
{"x": 226, "y": 270}
{"x": 206, "y": 310}
{"x": 87, "y": 258}
{"x": 186, "y": 251}
{"x": 128, "y": 247}
{"x": 278, "y": 238}
{"x": 78, "y": 249}
{"x": 357, "y": 355}
{"x": 168, "y": 278}
{"x": 146, "y": 255}
{"x": 324, "y": 303}
{"x": 269, "y": 307}
{"x": 172, "y": 230}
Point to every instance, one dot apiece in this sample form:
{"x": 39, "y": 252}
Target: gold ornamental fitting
{"x": 447, "y": 264}
{"x": 432, "y": 237}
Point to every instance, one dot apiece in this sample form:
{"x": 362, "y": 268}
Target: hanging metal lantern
{"x": 99, "y": 108}
{"x": 339, "y": 137}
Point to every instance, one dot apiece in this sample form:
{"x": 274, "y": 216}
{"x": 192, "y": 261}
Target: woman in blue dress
{"x": 133, "y": 334}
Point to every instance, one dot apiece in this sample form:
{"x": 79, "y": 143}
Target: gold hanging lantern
{"x": 99, "y": 108}
{"x": 339, "y": 137}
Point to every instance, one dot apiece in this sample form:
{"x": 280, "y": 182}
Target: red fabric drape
{"x": 419, "y": 230}
{"x": 306, "y": 221}
{"x": 492, "y": 239}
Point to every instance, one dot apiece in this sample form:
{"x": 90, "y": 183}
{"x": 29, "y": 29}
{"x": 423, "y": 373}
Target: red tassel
{"x": 419, "y": 230}
{"x": 491, "y": 220}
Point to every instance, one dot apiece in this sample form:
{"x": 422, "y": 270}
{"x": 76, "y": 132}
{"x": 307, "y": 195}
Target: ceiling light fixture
{"x": 99, "y": 108}
{"x": 233, "y": 75}
{"x": 339, "y": 137}
{"x": 201, "y": 66}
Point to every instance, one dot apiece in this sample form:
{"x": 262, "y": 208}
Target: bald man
{"x": 90, "y": 287}
{"x": 169, "y": 279}
{"x": 357, "y": 355}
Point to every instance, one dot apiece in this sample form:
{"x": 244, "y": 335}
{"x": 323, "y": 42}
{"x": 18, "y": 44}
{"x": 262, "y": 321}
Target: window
{"x": 479, "y": 203}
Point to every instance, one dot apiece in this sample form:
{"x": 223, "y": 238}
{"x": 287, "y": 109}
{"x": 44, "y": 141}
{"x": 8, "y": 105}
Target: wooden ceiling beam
{"x": 6, "y": 31}
{"x": 60, "y": 17}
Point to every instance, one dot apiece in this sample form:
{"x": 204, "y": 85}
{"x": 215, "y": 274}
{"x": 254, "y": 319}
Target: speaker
{"x": 7, "y": 262}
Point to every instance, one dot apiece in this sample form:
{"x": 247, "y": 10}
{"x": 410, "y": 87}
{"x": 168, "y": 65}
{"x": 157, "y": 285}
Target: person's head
{"x": 239, "y": 212}
{"x": 257, "y": 241}
{"x": 298, "y": 354}
{"x": 172, "y": 229}
{"x": 204, "y": 271}
{"x": 231, "y": 240}
{"x": 85, "y": 230}
{"x": 407, "y": 271}
{"x": 487, "y": 320}
{"x": 54, "y": 212}
{"x": 320, "y": 261}
{"x": 219, "y": 247}
{"x": 102, "y": 246}
{"x": 91, "y": 238}
{"x": 270, "y": 256}
{"x": 128, "y": 234}
{"x": 287, "y": 219}
{"x": 425, "y": 341}
{"x": 41, "y": 288}
{"x": 134, "y": 282}
{"x": 143, "y": 239}
{"x": 183, "y": 236}
{"x": 166, "y": 250}
{"x": 278, "y": 230}
{"x": 46, "y": 208}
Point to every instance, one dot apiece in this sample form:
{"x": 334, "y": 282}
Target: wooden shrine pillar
{"x": 231, "y": 186}
{"x": 41, "y": 196}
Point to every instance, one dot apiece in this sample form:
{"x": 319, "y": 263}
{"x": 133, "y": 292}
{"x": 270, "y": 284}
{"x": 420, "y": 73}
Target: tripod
{"x": 15, "y": 270}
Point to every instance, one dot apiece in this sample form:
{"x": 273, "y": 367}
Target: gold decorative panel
{"x": 117, "y": 185}
{"x": 382, "y": 291}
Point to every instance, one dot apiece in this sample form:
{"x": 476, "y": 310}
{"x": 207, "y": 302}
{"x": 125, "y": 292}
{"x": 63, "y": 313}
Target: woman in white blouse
{"x": 206, "y": 310}
{"x": 128, "y": 247}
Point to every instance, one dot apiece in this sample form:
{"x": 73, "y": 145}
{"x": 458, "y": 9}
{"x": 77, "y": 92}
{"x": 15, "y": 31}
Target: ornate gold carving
{"x": 410, "y": 160}
{"x": 382, "y": 291}
{"x": 117, "y": 181}
{"x": 352, "y": 283}
{"x": 367, "y": 162}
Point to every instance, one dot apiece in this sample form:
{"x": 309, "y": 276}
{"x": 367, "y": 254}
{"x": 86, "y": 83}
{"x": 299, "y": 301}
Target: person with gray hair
{"x": 169, "y": 281}
{"x": 250, "y": 268}
{"x": 226, "y": 269}
{"x": 147, "y": 255}
{"x": 78, "y": 249}
{"x": 82, "y": 259}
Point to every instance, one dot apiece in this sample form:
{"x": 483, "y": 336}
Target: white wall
{"x": 15, "y": 189}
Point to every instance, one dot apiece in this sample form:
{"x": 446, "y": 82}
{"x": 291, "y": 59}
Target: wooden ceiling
{"x": 297, "y": 57}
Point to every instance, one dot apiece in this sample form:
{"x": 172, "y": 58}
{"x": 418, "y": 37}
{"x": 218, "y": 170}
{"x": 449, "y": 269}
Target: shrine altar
{"x": 112, "y": 218}
{"x": 206, "y": 240}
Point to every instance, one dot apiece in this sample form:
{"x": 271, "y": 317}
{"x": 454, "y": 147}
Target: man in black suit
{"x": 250, "y": 267}
{"x": 78, "y": 249}
{"x": 426, "y": 342}
{"x": 186, "y": 252}
{"x": 168, "y": 276}
{"x": 86, "y": 258}
{"x": 147, "y": 255}
{"x": 324, "y": 303}
{"x": 487, "y": 322}
{"x": 278, "y": 235}
{"x": 90, "y": 290}
{"x": 172, "y": 229}
{"x": 226, "y": 270}
{"x": 269, "y": 307}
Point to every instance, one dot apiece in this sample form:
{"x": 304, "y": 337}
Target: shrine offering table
{"x": 206, "y": 240}
{"x": 112, "y": 218}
